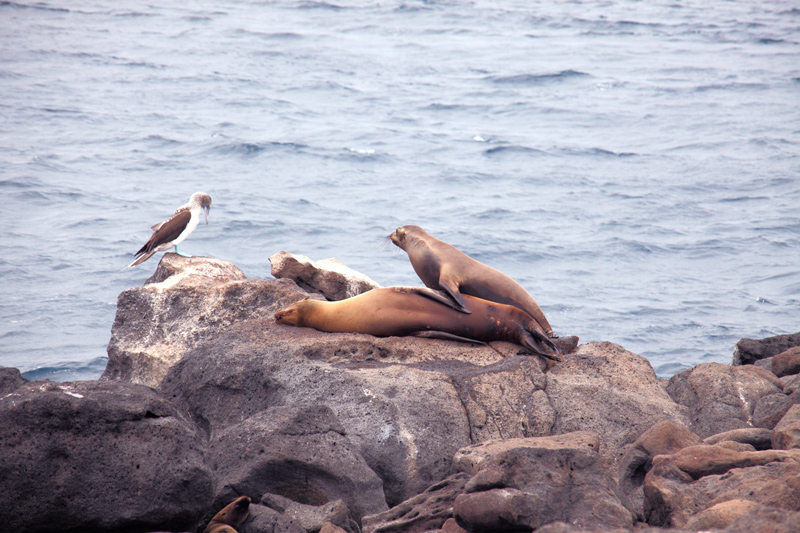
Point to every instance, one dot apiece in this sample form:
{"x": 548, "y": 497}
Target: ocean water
{"x": 635, "y": 165}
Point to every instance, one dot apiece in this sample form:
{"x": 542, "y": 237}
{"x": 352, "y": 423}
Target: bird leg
{"x": 181, "y": 253}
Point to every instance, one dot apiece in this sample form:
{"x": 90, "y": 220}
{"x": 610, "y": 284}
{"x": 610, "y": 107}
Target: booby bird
{"x": 175, "y": 229}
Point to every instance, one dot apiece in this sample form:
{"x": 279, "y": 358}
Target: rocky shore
{"x": 206, "y": 398}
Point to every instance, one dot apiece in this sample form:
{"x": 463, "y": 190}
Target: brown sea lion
{"x": 417, "y": 311}
{"x": 230, "y": 517}
{"x": 444, "y": 267}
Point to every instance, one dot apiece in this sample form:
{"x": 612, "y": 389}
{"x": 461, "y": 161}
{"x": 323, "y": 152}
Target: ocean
{"x": 634, "y": 165}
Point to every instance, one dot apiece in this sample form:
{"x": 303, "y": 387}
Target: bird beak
{"x": 206, "y": 209}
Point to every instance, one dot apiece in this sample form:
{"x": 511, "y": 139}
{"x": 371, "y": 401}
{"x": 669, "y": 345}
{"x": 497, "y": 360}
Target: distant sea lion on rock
{"x": 230, "y": 517}
{"x": 444, "y": 267}
{"x": 417, "y": 311}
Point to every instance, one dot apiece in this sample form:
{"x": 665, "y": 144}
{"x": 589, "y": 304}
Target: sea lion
{"x": 444, "y": 267}
{"x": 230, "y": 517}
{"x": 418, "y": 311}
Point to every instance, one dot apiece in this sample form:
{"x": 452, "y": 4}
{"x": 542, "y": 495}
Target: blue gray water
{"x": 635, "y": 165}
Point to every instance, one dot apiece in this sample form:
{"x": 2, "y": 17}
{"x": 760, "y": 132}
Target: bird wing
{"x": 167, "y": 231}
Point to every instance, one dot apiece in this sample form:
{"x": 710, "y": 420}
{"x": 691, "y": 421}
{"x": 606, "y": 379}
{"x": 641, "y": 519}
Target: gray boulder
{"x": 264, "y": 519}
{"x": 207, "y": 338}
{"x": 186, "y": 302}
{"x": 406, "y": 422}
{"x": 329, "y": 277}
{"x": 312, "y": 518}
{"x": 612, "y": 392}
{"x": 299, "y": 452}
{"x": 98, "y": 456}
{"x": 748, "y": 351}
{"x": 529, "y": 486}
{"x": 770, "y": 409}
{"x": 10, "y": 380}
{"x": 721, "y": 397}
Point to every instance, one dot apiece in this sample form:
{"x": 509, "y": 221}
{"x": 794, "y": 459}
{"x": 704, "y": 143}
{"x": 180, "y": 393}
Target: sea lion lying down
{"x": 422, "y": 312}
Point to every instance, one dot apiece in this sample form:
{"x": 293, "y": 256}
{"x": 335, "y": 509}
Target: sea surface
{"x": 635, "y": 165}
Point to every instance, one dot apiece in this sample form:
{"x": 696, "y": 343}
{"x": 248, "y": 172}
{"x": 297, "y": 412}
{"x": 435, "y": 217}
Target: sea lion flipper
{"x": 529, "y": 340}
{"x": 433, "y": 334}
{"x": 451, "y": 288}
{"x": 434, "y": 295}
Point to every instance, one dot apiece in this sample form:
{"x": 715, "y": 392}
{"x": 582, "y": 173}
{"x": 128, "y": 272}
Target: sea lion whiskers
{"x": 385, "y": 242}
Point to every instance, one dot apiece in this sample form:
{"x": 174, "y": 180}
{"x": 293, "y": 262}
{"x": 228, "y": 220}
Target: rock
{"x": 98, "y": 456}
{"x": 704, "y": 460}
{"x": 497, "y": 510}
{"x": 771, "y": 408}
{"x": 787, "y": 363}
{"x": 608, "y": 390}
{"x": 767, "y": 519}
{"x": 451, "y": 526}
{"x": 313, "y": 518}
{"x": 265, "y": 520}
{"x": 10, "y": 380}
{"x": 719, "y": 516}
{"x": 791, "y": 384}
{"x": 683, "y": 484}
{"x": 406, "y": 404}
{"x": 406, "y": 422}
{"x": 175, "y": 270}
{"x": 747, "y": 351}
{"x": 758, "y": 438}
{"x": 424, "y": 512}
{"x": 299, "y": 452}
{"x": 329, "y": 527}
{"x": 721, "y": 397}
{"x": 527, "y": 487}
{"x": 329, "y": 277}
{"x": 786, "y": 435}
{"x": 470, "y": 458}
{"x": 195, "y": 299}
{"x": 663, "y": 438}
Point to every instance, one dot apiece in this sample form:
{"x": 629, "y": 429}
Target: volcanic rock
{"x": 747, "y": 351}
{"x": 98, "y": 456}
{"x": 329, "y": 277}
{"x": 721, "y": 397}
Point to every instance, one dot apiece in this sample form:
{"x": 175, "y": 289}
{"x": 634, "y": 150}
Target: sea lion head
{"x": 294, "y": 314}
{"x": 233, "y": 515}
{"x": 404, "y": 236}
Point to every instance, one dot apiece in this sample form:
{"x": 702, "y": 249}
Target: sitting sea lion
{"x": 230, "y": 517}
{"x": 417, "y": 311}
{"x": 444, "y": 267}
